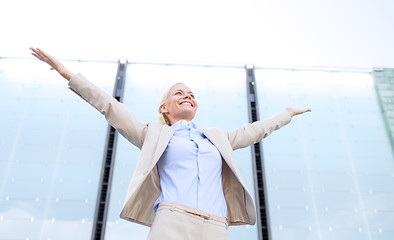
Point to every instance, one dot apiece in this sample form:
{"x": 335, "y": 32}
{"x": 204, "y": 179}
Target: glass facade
{"x": 384, "y": 84}
{"x": 330, "y": 173}
{"x": 52, "y": 146}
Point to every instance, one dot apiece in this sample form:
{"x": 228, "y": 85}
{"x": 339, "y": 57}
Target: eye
{"x": 178, "y": 93}
{"x": 192, "y": 96}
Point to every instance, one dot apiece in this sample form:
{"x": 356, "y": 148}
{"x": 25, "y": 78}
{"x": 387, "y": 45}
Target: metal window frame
{"x": 102, "y": 203}
{"x": 257, "y": 159}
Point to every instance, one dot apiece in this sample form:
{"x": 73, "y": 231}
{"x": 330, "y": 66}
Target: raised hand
{"x": 51, "y": 61}
{"x": 296, "y": 111}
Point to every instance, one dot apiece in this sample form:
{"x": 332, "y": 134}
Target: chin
{"x": 188, "y": 115}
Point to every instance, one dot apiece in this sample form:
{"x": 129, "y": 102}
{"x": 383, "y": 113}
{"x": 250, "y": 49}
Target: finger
{"x": 35, "y": 55}
{"x": 43, "y": 53}
{"x": 44, "y": 56}
{"x": 38, "y": 54}
{"x": 47, "y": 58}
{"x": 34, "y": 50}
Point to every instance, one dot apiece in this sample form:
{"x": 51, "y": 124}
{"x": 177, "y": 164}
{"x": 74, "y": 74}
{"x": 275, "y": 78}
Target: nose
{"x": 188, "y": 96}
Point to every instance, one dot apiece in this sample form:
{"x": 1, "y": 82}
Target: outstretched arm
{"x": 53, "y": 62}
{"x": 115, "y": 112}
{"x": 255, "y": 132}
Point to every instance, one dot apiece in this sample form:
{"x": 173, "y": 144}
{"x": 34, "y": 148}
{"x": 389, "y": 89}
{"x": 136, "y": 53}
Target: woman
{"x": 187, "y": 184}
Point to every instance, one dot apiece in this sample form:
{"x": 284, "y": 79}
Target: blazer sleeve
{"x": 254, "y": 132}
{"x": 115, "y": 112}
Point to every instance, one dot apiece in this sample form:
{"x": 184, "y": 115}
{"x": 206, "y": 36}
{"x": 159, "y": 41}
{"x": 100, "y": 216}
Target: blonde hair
{"x": 163, "y": 119}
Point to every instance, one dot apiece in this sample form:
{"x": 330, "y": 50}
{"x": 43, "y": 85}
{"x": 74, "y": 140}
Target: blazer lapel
{"x": 225, "y": 150}
{"x": 218, "y": 142}
{"x": 164, "y": 138}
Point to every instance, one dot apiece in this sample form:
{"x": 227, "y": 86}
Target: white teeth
{"x": 186, "y": 103}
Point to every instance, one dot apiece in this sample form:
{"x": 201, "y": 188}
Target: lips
{"x": 187, "y": 102}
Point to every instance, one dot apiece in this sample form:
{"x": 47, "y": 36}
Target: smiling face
{"x": 180, "y": 104}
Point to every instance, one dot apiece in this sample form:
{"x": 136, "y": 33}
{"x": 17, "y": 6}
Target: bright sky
{"x": 329, "y": 33}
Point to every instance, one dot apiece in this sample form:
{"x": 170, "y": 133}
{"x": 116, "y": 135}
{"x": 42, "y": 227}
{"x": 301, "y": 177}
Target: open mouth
{"x": 186, "y": 103}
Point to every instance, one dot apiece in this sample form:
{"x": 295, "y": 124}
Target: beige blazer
{"x": 152, "y": 138}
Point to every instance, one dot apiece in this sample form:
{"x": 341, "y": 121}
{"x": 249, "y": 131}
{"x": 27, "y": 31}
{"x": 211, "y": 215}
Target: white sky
{"x": 329, "y": 33}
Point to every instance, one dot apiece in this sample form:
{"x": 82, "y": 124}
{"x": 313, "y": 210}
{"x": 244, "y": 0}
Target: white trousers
{"x": 174, "y": 224}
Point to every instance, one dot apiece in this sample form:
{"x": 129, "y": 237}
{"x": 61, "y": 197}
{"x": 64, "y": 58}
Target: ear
{"x": 163, "y": 109}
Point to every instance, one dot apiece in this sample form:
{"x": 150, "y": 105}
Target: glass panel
{"x": 51, "y": 145}
{"x": 221, "y": 95}
{"x": 330, "y": 174}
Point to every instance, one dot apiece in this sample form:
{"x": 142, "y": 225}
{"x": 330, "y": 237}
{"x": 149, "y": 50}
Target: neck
{"x": 174, "y": 120}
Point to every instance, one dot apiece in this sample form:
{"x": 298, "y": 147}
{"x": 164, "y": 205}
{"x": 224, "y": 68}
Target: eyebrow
{"x": 182, "y": 91}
